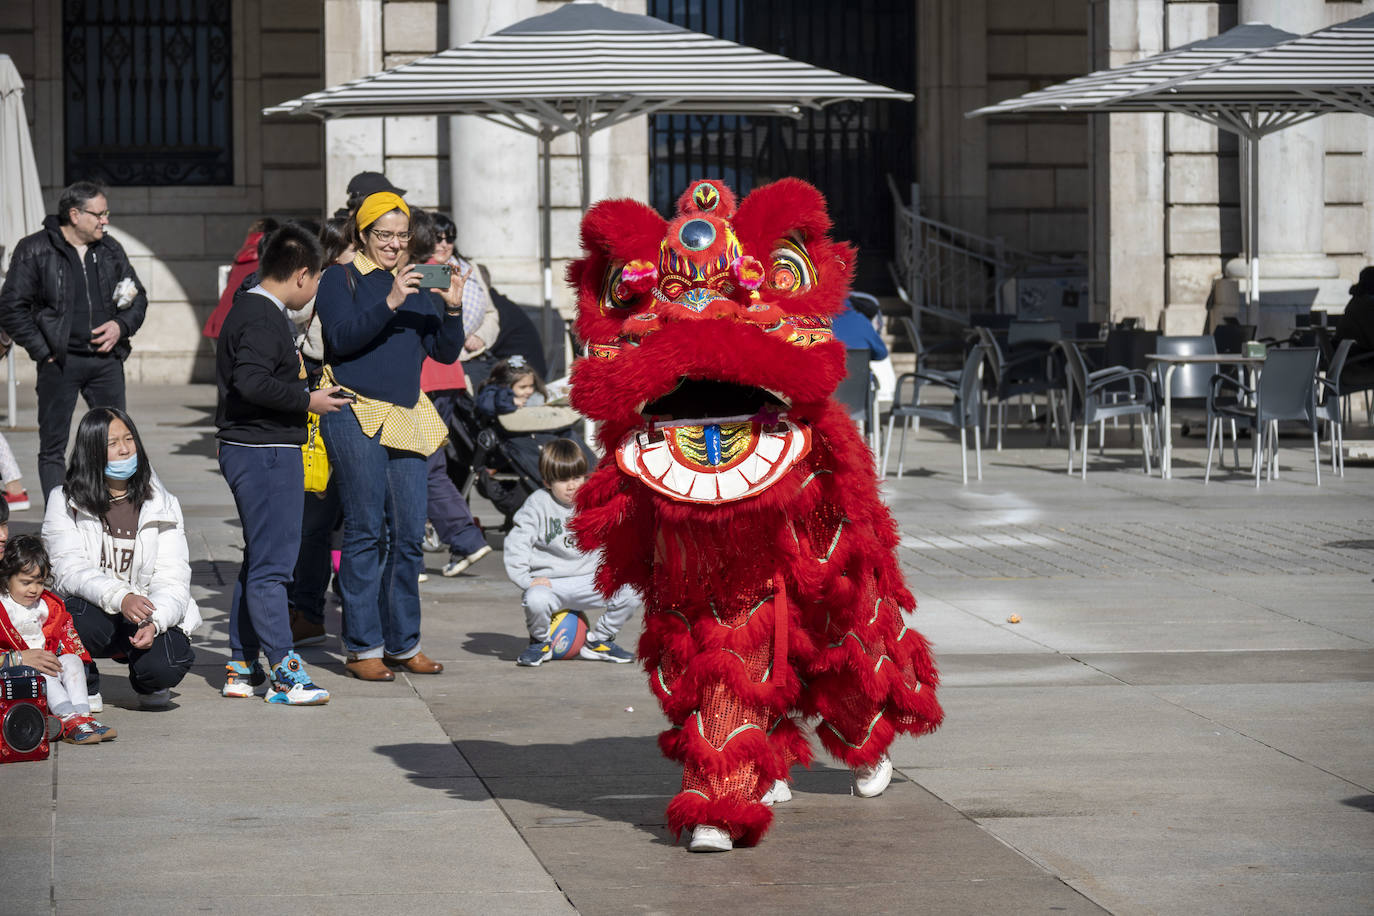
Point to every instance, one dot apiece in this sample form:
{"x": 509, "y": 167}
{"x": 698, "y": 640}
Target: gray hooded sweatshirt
{"x": 541, "y": 545}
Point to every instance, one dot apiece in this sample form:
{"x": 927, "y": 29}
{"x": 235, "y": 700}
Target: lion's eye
{"x": 789, "y": 270}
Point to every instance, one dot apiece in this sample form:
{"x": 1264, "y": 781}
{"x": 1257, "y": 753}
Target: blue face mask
{"x": 122, "y": 469}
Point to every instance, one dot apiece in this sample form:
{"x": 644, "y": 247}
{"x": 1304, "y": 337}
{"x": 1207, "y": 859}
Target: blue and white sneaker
{"x": 291, "y": 685}
{"x": 243, "y": 680}
{"x": 535, "y": 654}
{"x": 605, "y": 651}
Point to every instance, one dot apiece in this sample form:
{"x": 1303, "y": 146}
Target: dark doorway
{"x": 846, "y": 150}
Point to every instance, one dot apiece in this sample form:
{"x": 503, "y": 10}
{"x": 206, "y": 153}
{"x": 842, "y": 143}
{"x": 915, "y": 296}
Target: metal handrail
{"x": 947, "y": 271}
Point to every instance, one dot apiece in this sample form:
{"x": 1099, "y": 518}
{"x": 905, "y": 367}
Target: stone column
{"x": 353, "y": 48}
{"x": 1135, "y": 175}
{"x": 1295, "y": 274}
{"x": 952, "y": 78}
{"x": 495, "y": 171}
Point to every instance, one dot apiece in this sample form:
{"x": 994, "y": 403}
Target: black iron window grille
{"x": 146, "y": 87}
{"x": 846, "y": 149}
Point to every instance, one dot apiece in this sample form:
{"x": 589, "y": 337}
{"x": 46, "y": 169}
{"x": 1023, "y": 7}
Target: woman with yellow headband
{"x": 378, "y": 328}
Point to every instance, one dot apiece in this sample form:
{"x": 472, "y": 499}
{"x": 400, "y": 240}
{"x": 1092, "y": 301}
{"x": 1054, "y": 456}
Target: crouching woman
{"x": 119, "y": 558}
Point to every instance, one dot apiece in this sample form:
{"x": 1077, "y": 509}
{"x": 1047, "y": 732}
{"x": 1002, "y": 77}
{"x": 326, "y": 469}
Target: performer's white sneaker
{"x": 779, "y": 793}
{"x": 872, "y": 780}
{"x": 706, "y": 838}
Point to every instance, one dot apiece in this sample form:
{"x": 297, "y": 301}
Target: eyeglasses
{"x": 384, "y": 235}
{"x": 448, "y": 239}
{"x": 103, "y": 214}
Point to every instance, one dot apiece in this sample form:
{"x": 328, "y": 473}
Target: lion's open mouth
{"x": 708, "y": 400}
{"x": 708, "y": 441}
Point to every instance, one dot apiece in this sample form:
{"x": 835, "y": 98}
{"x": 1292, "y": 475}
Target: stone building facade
{"x": 1150, "y": 200}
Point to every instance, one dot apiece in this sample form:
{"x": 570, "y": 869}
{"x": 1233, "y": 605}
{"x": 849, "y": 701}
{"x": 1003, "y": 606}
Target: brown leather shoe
{"x": 419, "y": 663}
{"x": 368, "y": 669}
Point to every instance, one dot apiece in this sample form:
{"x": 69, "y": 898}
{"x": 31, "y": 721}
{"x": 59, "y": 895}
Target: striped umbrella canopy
{"x": 1331, "y": 69}
{"x": 583, "y": 68}
{"x": 1117, "y": 89}
{"x": 1156, "y": 84}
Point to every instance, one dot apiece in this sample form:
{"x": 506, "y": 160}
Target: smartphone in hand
{"x": 433, "y": 276}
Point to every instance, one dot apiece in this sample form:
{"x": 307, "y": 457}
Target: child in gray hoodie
{"x": 554, "y": 575}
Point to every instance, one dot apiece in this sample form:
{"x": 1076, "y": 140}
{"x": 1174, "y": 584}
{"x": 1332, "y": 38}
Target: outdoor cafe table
{"x": 1171, "y": 362}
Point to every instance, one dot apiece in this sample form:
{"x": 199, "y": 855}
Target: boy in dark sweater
{"x": 263, "y": 399}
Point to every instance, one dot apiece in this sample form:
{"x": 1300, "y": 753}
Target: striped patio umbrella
{"x": 1134, "y": 87}
{"x": 582, "y": 68}
{"x": 1331, "y": 69}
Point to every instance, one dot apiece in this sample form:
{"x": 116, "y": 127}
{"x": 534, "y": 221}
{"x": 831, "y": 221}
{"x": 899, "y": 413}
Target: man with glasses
{"x": 72, "y": 300}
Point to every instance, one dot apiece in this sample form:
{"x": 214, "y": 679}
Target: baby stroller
{"x": 499, "y": 456}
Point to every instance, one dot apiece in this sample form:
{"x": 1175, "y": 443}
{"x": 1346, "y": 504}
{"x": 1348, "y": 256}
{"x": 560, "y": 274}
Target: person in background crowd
{"x": 263, "y": 399}
{"x": 73, "y": 301}
{"x": 378, "y": 328}
{"x": 16, "y": 497}
{"x": 120, "y": 559}
{"x": 481, "y": 323}
{"x": 363, "y": 184}
{"x": 1357, "y": 324}
{"x": 245, "y": 266}
{"x": 448, "y": 512}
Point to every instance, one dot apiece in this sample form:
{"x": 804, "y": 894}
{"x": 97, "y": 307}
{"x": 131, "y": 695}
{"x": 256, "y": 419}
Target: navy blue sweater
{"x": 375, "y": 351}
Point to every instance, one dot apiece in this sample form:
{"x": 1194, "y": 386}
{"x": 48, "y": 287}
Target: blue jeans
{"x": 382, "y": 492}
{"x": 269, "y": 487}
{"x": 448, "y": 511}
{"x": 306, "y": 593}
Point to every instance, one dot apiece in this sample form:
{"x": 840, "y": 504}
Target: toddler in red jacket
{"x": 37, "y": 631}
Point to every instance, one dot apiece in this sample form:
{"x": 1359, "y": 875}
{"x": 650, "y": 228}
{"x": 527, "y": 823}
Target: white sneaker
{"x": 710, "y": 839}
{"x": 779, "y": 793}
{"x": 158, "y": 699}
{"x": 97, "y": 703}
{"x": 871, "y": 781}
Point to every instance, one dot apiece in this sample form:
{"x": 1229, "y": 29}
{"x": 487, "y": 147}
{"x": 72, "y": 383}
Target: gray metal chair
{"x": 858, "y": 393}
{"x": 1095, "y": 397}
{"x": 1329, "y": 407}
{"x": 965, "y": 413}
{"x": 1286, "y": 391}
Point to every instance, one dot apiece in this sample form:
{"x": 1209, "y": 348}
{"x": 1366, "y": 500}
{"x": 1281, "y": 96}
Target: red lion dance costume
{"x": 739, "y": 499}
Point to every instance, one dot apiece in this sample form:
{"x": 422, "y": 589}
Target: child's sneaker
{"x": 18, "y": 501}
{"x": 106, "y": 732}
{"x": 536, "y": 654}
{"x": 605, "y": 651}
{"x": 80, "y": 730}
{"x": 706, "y": 838}
{"x": 291, "y": 686}
{"x": 242, "y": 681}
{"x": 777, "y": 793}
{"x": 97, "y": 702}
{"x": 457, "y": 564}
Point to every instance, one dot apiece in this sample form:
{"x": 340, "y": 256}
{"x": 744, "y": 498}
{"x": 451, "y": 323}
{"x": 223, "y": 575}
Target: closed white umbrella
{"x": 582, "y": 68}
{"x": 21, "y": 201}
{"x": 21, "y": 204}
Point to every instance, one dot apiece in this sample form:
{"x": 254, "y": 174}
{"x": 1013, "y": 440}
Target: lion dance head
{"x": 708, "y": 335}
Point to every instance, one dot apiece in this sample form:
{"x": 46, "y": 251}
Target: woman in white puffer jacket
{"x": 119, "y": 558}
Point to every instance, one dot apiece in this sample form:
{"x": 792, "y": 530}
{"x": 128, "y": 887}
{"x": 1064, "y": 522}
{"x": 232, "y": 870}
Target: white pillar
{"x": 1135, "y": 167}
{"x": 1295, "y": 273}
{"x": 353, "y": 48}
{"x": 495, "y": 175}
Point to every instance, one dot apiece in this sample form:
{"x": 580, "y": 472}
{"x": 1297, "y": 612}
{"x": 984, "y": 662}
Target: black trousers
{"x": 98, "y": 379}
{"x": 161, "y": 665}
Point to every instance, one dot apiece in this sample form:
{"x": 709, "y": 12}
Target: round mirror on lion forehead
{"x": 697, "y": 234}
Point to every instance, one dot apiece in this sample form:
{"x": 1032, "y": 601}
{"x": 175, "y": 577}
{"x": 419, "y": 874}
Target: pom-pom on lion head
{"x": 711, "y": 322}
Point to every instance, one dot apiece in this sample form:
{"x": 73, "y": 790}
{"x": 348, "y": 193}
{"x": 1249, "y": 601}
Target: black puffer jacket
{"x": 35, "y": 304}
